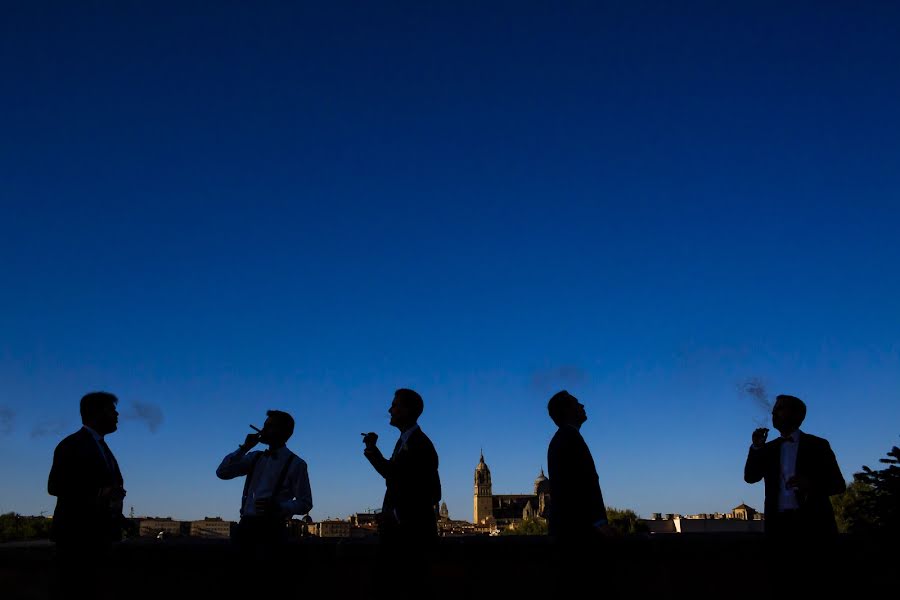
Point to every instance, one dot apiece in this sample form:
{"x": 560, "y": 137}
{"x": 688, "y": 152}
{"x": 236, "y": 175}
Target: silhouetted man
{"x": 88, "y": 486}
{"x": 411, "y": 475}
{"x": 577, "y": 511}
{"x": 276, "y": 486}
{"x": 800, "y": 471}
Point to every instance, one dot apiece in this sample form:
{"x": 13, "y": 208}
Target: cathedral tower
{"x": 483, "y": 496}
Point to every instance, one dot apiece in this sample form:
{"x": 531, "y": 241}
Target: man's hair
{"x": 794, "y": 403}
{"x": 95, "y": 403}
{"x": 285, "y": 420}
{"x": 558, "y": 404}
{"x": 412, "y": 400}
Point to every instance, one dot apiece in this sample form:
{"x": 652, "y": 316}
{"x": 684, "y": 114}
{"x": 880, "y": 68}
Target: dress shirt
{"x": 97, "y": 437}
{"x": 787, "y": 498}
{"x": 294, "y": 497}
{"x": 404, "y": 438}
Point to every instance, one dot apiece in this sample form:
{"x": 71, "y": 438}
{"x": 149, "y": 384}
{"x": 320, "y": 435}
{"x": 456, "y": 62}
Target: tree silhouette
{"x": 871, "y": 503}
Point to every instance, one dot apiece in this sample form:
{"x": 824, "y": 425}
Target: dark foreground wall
{"x": 663, "y": 566}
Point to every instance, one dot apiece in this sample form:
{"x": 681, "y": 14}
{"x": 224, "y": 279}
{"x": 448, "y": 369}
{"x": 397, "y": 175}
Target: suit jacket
{"x": 413, "y": 489}
{"x": 816, "y": 462}
{"x": 576, "y": 502}
{"x": 78, "y": 473}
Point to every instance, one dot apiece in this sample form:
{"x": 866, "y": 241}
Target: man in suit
{"x": 577, "y": 511}
{"x": 413, "y": 491}
{"x": 88, "y": 486}
{"x": 800, "y": 472}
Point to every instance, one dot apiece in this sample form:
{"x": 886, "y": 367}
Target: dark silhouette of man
{"x": 800, "y": 472}
{"x": 411, "y": 477}
{"x": 577, "y": 511}
{"x": 88, "y": 486}
{"x": 276, "y": 486}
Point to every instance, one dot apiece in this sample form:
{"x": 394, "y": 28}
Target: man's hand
{"x": 250, "y": 441}
{"x": 798, "y": 483}
{"x": 759, "y": 436}
{"x": 369, "y": 439}
{"x": 264, "y": 506}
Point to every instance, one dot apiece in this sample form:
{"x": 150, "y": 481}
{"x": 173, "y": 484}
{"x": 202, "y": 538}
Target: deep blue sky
{"x": 211, "y": 210}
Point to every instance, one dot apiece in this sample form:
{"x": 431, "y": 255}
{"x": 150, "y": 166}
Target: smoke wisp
{"x": 54, "y": 427}
{"x": 755, "y": 389}
{"x": 558, "y": 378}
{"x": 147, "y": 413}
{"x": 7, "y": 416}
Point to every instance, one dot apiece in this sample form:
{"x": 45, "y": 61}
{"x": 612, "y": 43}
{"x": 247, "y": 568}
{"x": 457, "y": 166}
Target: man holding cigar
{"x": 800, "y": 471}
{"x": 411, "y": 475}
{"x": 276, "y": 485}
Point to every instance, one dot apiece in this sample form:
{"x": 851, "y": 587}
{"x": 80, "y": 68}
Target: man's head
{"x": 98, "y": 411}
{"x": 405, "y": 409}
{"x": 565, "y": 409}
{"x": 788, "y": 413}
{"x": 278, "y": 428}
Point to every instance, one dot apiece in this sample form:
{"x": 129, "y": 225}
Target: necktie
{"x": 111, "y": 463}
{"x": 397, "y": 446}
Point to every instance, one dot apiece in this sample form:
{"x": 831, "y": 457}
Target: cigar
{"x": 255, "y": 428}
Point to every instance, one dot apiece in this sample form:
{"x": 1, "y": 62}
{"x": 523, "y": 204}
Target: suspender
{"x": 247, "y": 480}
{"x": 278, "y": 482}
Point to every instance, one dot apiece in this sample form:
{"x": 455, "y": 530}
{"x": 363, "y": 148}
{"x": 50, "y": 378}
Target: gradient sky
{"x": 215, "y": 209}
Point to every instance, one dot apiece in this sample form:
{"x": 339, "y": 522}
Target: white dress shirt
{"x": 787, "y": 498}
{"x": 97, "y": 437}
{"x": 404, "y": 438}
{"x": 294, "y": 497}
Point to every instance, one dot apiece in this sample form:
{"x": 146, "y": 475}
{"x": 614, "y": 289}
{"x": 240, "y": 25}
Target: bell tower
{"x": 483, "y": 496}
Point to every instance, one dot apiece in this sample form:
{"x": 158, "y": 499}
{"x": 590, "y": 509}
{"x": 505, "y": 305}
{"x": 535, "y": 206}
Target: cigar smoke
{"x": 755, "y": 389}
{"x": 146, "y": 412}
{"x": 7, "y": 415}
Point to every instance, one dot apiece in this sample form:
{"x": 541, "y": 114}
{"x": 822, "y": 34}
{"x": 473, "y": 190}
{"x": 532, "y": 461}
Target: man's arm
{"x": 832, "y": 479}
{"x": 381, "y": 464}
{"x": 755, "y": 467}
{"x": 67, "y": 475}
{"x": 374, "y": 455}
{"x": 235, "y": 464}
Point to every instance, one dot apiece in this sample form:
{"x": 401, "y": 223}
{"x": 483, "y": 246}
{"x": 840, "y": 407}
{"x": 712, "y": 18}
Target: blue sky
{"x": 215, "y": 210}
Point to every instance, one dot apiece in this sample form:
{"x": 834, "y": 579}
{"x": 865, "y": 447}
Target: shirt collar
{"x": 274, "y": 453}
{"x": 405, "y": 435}
{"x": 794, "y": 437}
{"x": 96, "y": 435}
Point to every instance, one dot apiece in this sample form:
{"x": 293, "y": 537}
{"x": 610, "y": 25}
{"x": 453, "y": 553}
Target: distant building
{"x": 159, "y": 527}
{"x": 507, "y": 510}
{"x": 366, "y": 519}
{"x": 444, "y": 513}
{"x": 742, "y": 519}
{"x": 451, "y": 528}
{"x": 364, "y": 524}
{"x": 211, "y": 527}
{"x": 333, "y": 528}
{"x": 298, "y": 528}
{"x": 744, "y": 512}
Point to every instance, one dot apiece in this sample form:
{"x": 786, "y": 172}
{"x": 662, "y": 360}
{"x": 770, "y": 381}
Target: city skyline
{"x": 674, "y": 212}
